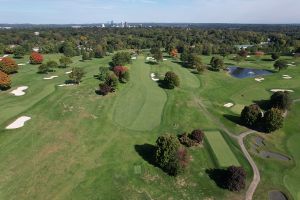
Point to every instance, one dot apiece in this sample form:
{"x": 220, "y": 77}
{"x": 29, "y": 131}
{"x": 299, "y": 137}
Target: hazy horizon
{"x": 149, "y": 11}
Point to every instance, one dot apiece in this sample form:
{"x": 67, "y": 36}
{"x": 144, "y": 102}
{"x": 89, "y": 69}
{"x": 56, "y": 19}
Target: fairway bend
{"x": 240, "y": 138}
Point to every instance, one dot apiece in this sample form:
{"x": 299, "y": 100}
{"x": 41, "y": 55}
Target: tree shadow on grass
{"x": 237, "y": 120}
{"x": 151, "y": 63}
{"x": 219, "y": 176}
{"x": 234, "y": 118}
{"x": 263, "y": 104}
{"x": 147, "y": 152}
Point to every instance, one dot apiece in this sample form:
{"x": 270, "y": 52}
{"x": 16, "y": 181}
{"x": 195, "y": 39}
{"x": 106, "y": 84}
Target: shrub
{"x": 273, "y": 120}
{"x": 236, "y": 178}
{"x": 5, "y": 81}
{"x": 8, "y": 65}
{"x": 76, "y": 74}
{"x": 65, "y": 61}
{"x": 174, "y": 53}
{"x": 171, "y": 80}
{"x": 197, "y": 135}
{"x": 259, "y": 53}
{"x": 281, "y": 100}
{"x": 19, "y": 52}
{"x": 119, "y": 70}
{"x": 36, "y": 58}
{"x": 243, "y": 53}
{"x": 52, "y": 64}
{"x": 169, "y": 155}
{"x": 43, "y": 69}
{"x": 186, "y": 140}
{"x": 251, "y": 115}
{"x": 105, "y": 89}
{"x": 99, "y": 52}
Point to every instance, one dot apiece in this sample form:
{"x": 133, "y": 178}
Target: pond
{"x": 239, "y": 72}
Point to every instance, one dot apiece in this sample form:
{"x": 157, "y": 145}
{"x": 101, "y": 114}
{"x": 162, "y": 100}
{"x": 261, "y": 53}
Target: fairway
{"x": 221, "y": 150}
{"x": 139, "y": 106}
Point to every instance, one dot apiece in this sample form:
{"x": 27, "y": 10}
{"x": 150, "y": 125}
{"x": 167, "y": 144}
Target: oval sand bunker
{"x": 19, "y": 91}
{"x": 18, "y": 123}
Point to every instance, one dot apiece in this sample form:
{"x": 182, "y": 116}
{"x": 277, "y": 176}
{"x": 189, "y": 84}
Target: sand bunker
{"x": 63, "y": 85}
{"x": 260, "y": 79}
{"x": 68, "y": 72}
{"x": 19, "y": 91}
{"x": 18, "y": 123}
{"x": 291, "y": 65}
{"x": 281, "y": 90}
{"x": 21, "y": 64}
{"x": 165, "y": 59}
{"x": 51, "y": 77}
{"x": 133, "y": 58}
{"x": 150, "y": 59}
{"x": 228, "y": 105}
{"x": 153, "y": 77}
{"x": 286, "y": 77}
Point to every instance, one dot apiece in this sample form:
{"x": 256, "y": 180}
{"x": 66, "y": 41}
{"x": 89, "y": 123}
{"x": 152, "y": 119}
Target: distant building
{"x": 125, "y": 25}
{"x": 36, "y": 49}
{"x": 6, "y": 27}
{"x": 243, "y": 46}
{"x": 37, "y": 33}
{"x": 103, "y": 25}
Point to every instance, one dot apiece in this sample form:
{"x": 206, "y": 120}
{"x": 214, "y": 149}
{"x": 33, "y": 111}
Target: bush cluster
{"x": 36, "y": 58}
{"x": 8, "y": 65}
{"x": 5, "y": 81}
{"x": 194, "y": 138}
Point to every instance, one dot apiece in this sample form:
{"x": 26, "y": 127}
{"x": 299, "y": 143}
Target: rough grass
{"x": 221, "y": 150}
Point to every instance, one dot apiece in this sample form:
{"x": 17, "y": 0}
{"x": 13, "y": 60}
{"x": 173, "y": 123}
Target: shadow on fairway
{"x": 219, "y": 176}
{"x": 263, "y": 104}
{"x": 233, "y": 118}
{"x": 147, "y": 152}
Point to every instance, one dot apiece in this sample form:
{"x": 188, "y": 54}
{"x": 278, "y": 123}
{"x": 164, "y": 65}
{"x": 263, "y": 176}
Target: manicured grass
{"x": 221, "y": 150}
{"x": 79, "y": 145}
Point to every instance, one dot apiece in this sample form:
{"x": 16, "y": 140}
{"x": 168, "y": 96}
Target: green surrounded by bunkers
{"x": 221, "y": 150}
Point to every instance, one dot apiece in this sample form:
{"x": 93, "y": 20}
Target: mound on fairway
{"x": 220, "y": 149}
{"x": 139, "y": 106}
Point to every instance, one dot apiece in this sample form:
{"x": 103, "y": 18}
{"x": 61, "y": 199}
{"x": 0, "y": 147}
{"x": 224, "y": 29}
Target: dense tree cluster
{"x": 236, "y": 178}
{"x": 76, "y": 75}
{"x": 273, "y": 120}
{"x": 171, "y": 80}
{"x": 121, "y": 59}
{"x": 281, "y": 100}
{"x": 194, "y": 138}
{"x": 251, "y": 115}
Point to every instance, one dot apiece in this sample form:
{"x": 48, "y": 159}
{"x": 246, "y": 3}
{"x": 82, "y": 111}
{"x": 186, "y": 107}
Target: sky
{"x": 185, "y": 11}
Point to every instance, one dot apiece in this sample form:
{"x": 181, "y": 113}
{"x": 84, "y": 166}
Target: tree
{"x": 281, "y": 100}
{"x": 275, "y": 56}
{"x": 259, "y": 54}
{"x": 52, "y": 64}
{"x": 76, "y": 75}
{"x": 243, "y": 53}
{"x": 273, "y": 120}
{"x": 174, "y": 53}
{"x": 99, "y": 52}
{"x": 171, "y": 80}
{"x": 112, "y": 81}
{"x": 251, "y": 115}
{"x": 121, "y": 59}
{"x": 157, "y": 54}
{"x": 105, "y": 89}
{"x": 43, "y": 69}
{"x": 85, "y": 55}
{"x": 103, "y": 73}
{"x": 170, "y": 156}
{"x": 197, "y": 135}
{"x": 236, "y": 178}
{"x": 5, "y": 81}
{"x": 238, "y": 59}
{"x": 69, "y": 49}
{"x": 201, "y": 68}
{"x": 217, "y": 63}
{"x": 184, "y": 57}
{"x": 280, "y": 64}
{"x": 91, "y": 55}
{"x": 8, "y": 65}
{"x": 65, "y": 61}
{"x": 194, "y": 61}
{"x": 36, "y": 58}
{"x": 19, "y": 52}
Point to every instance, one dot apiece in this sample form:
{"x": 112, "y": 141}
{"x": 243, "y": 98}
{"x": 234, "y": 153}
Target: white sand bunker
{"x": 68, "y": 72}
{"x": 259, "y": 79}
{"x": 165, "y": 59}
{"x": 49, "y": 78}
{"x": 19, "y": 91}
{"x": 18, "y": 123}
{"x": 153, "y": 77}
{"x": 133, "y": 58}
{"x": 63, "y": 85}
{"x": 21, "y": 64}
{"x": 291, "y": 65}
{"x": 286, "y": 77}
{"x": 150, "y": 59}
{"x": 281, "y": 90}
{"x": 228, "y": 105}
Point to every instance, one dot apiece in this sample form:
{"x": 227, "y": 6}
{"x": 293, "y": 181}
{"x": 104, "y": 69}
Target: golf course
{"x": 78, "y": 144}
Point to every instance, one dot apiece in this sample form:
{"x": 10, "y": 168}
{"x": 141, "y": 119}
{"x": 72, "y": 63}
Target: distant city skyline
{"x": 156, "y": 11}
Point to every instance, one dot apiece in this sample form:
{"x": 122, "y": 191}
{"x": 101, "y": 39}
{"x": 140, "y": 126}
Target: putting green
{"x": 139, "y": 106}
{"x": 221, "y": 150}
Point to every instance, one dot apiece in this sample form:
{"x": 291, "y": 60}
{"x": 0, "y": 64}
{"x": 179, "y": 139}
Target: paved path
{"x": 240, "y": 138}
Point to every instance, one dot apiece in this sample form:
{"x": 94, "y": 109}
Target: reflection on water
{"x": 239, "y": 72}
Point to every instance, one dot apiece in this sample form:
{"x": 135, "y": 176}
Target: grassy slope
{"x": 73, "y": 149}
